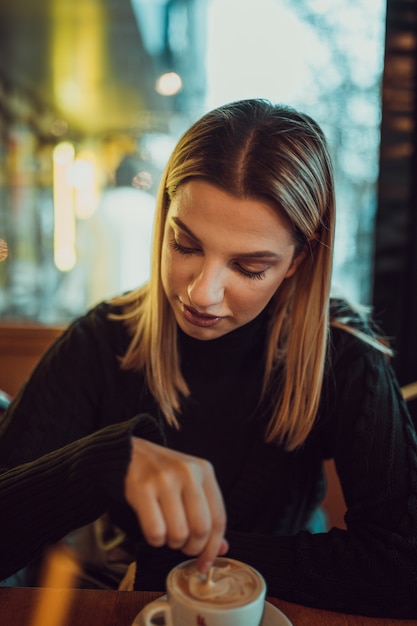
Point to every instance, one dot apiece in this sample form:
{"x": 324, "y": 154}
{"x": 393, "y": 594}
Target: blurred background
{"x": 94, "y": 95}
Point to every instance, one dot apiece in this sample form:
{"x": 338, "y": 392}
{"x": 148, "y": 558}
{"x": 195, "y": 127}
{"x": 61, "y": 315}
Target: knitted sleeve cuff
{"x": 42, "y": 501}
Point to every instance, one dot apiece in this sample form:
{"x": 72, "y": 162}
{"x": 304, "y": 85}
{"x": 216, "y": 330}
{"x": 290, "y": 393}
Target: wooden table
{"x": 119, "y": 608}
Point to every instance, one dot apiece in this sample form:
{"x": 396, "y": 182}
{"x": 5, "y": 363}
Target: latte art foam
{"x": 230, "y": 584}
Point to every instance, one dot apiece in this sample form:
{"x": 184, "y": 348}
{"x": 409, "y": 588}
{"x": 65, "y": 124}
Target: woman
{"x": 218, "y": 389}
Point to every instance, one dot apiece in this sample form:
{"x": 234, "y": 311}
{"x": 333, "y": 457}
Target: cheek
{"x": 166, "y": 263}
{"x": 253, "y": 298}
{"x": 262, "y": 292}
{"x": 173, "y": 272}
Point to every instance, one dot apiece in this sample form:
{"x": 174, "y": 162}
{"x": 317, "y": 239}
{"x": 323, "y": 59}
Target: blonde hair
{"x": 251, "y": 149}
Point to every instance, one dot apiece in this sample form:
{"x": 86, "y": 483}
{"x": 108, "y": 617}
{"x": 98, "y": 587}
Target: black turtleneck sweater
{"x": 72, "y": 425}
{"x": 219, "y": 418}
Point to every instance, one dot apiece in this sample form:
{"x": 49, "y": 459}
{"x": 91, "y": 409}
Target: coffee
{"x": 229, "y": 584}
{"x": 233, "y": 595}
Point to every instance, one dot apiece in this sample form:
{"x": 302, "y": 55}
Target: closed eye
{"x": 188, "y": 250}
{"x": 185, "y": 250}
{"x": 258, "y": 275}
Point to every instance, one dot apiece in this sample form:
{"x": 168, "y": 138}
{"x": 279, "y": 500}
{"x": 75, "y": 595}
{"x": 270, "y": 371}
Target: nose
{"x": 207, "y": 287}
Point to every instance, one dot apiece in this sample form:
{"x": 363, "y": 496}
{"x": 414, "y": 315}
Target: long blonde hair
{"x": 255, "y": 149}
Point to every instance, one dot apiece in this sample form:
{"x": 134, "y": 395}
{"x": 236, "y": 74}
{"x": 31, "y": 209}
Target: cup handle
{"x": 157, "y": 606}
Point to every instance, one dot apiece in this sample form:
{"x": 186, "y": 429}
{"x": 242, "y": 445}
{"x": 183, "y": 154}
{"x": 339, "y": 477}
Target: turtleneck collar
{"x": 227, "y": 351}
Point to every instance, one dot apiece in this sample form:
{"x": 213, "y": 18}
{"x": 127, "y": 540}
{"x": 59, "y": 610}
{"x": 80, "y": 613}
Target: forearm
{"x": 340, "y": 570}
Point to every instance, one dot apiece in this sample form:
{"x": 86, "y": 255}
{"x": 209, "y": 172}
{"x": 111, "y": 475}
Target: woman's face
{"x": 223, "y": 258}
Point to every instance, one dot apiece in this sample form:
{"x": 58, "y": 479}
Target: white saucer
{"x": 271, "y": 617}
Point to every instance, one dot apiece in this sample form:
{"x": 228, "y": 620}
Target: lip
{"x": 204, "y": 320}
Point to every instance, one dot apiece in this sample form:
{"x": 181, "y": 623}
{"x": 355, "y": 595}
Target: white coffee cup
{"x": 233, "y": 595}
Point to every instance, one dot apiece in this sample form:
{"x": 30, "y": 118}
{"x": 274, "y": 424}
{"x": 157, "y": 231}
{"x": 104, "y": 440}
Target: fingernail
{"x": 224, "y": 547}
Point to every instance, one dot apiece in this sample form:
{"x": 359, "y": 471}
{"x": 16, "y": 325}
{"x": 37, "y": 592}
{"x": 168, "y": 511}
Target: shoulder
{"x": 352, "y": 316}
{"x": 95, "y": 331}
{"x": 354, "y": 334}
{"x": 358, "y": 372}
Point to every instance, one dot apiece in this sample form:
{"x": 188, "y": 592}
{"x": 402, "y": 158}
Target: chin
{"x": 203, "y": 334}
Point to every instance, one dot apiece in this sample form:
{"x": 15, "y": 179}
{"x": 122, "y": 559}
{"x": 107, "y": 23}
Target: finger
{"x": 176, "y": 499}
{"x": 199, "y": 520}
{"x": 177, "y": 525}
{"x": 212, "y": 549}
{"x": 150, "y": 518}
{"x": 217, "y": 521}
{"x": 203, "y": 565}
{"x": 224, "y": 547}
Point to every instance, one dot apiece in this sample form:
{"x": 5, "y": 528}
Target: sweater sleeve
{"x": 75, "y": 390}
{"x": 370, "y": 568}
{"x": 42, "y": 501}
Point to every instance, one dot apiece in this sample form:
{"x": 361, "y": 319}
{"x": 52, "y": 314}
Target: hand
{"x": 177, "y": 501}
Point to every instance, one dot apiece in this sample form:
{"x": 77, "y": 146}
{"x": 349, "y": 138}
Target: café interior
{"x": 85, "y": 83}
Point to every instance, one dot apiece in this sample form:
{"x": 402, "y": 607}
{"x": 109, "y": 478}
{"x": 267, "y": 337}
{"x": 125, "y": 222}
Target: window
{"x": 324, "y": 57}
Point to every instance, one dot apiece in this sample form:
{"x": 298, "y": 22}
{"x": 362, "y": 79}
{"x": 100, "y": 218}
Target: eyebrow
{"x": 262, "y": 254}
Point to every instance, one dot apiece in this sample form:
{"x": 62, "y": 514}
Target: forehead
{"x": 207, "y": 211}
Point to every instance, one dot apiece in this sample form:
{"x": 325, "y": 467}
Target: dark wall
{"x": 395, "y": 263}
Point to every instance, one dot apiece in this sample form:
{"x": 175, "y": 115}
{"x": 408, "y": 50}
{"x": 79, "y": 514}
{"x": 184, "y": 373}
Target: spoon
{"x": 206, "y": 579}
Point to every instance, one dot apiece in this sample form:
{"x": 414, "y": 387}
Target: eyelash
{"x": 188, "y": 251}
{"x": 252, "y": 275}
{"x": 185, "y": 251}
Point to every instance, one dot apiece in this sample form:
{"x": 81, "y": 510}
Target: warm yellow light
{"x": 58, "y": 127}
{"x": 78, "y": 56}
{"x": 64, "y": 221}
{"x": 65, "y": 259}
{"x": 83, "y": 177}
{"x": 81, "y": 173}
{"x": 64, "y": 153}
{"x": 4, "y": 250}
{"x": 168, "y": 84}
